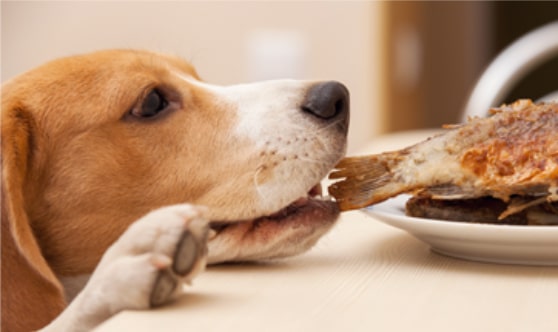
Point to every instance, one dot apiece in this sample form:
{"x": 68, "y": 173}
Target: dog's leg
{"x": 145, "y": 267}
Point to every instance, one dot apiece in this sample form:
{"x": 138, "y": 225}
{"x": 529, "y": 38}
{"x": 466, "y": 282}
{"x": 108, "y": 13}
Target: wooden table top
{"x": 362, "y": 276}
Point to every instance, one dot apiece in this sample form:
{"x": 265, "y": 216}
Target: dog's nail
{"x": 165, "y": 284}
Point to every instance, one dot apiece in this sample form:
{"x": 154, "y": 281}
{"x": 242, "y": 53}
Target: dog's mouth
{"x": 313, "y": 208}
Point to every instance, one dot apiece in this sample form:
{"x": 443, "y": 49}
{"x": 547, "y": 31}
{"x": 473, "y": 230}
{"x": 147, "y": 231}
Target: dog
{"x": 124, "y": 174}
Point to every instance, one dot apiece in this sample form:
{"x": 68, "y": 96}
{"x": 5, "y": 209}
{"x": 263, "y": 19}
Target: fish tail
{"x": 364, "y": 180}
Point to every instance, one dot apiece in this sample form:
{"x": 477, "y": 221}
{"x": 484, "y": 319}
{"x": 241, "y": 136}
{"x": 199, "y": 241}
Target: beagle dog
{"x": 124, "y": 174}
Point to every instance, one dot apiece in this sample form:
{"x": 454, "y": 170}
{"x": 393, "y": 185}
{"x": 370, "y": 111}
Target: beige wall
{"x": 228, "y": 42}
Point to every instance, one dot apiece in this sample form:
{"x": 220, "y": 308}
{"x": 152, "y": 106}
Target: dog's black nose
{"x": 328, "y": 100}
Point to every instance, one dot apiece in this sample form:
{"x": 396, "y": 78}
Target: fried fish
{"x": 511, "y": 156}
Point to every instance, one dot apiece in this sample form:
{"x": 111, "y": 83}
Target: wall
{"x": 229, "y": 42}
{"x": 435, "y": 54}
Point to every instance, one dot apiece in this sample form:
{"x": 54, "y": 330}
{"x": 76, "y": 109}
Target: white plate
{"x": 506, "y": 244}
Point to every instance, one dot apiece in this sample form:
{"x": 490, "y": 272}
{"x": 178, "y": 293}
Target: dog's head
{"x": 90, "y": 143}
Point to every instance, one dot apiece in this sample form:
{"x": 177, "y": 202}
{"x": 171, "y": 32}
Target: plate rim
{"x": 480, "y": 242}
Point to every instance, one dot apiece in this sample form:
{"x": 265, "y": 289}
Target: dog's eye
{"x": 153, "y": 103}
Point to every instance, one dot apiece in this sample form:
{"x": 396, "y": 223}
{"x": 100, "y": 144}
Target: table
{"x": 362, "y": 276}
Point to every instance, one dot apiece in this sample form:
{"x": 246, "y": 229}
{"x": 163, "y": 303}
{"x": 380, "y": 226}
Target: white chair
{"x": 510, "y": 66}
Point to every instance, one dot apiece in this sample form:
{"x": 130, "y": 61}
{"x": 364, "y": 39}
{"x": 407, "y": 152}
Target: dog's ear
{"x": 31, "y": 293}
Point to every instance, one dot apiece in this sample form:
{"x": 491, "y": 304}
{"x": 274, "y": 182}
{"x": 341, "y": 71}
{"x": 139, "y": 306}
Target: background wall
{"x": 228, "y": 42}
{"x": 408, "y": 64}
{"x": 435, "y": 51}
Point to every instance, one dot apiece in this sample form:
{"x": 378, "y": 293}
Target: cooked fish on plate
{"x": 501, "y": 169}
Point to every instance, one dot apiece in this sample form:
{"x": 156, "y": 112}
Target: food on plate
{"x": 482, "y": 210}
{"x": 506, "y": 164}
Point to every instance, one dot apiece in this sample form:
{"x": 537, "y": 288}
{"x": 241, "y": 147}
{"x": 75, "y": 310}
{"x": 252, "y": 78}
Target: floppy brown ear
{"x": 31, "y": 294}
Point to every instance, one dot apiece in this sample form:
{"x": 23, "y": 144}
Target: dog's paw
{"x": 147, "y": 265}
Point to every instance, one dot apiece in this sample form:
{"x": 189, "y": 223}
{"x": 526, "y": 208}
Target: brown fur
{"x": 74, "y": 166}
{"x": 46, "y": 177}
